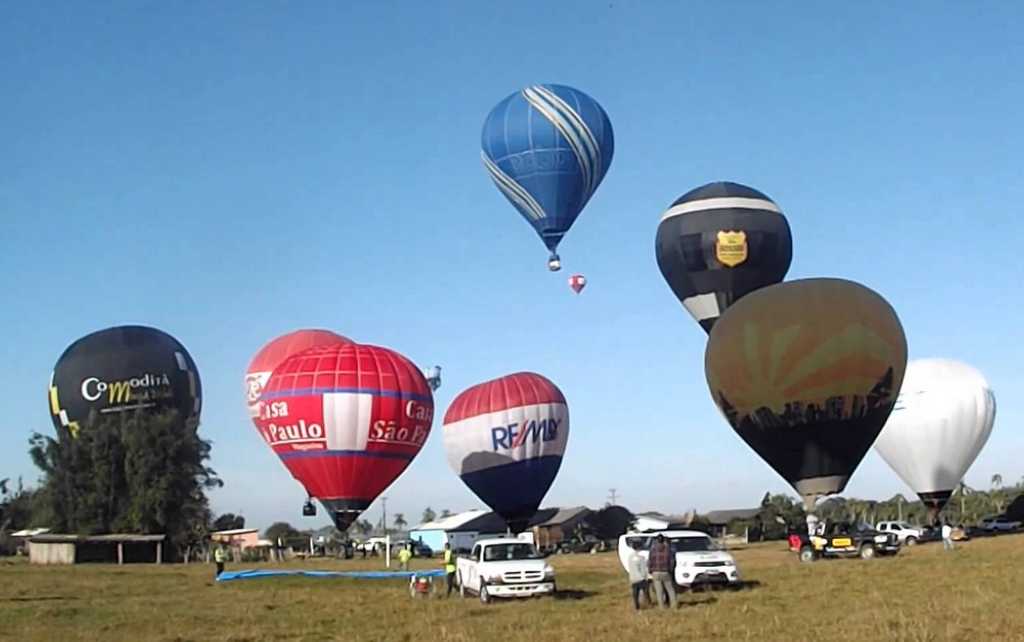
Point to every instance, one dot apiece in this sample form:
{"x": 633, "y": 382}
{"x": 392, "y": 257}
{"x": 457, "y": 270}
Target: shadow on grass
{"x": 42, "y": 598}
{"x": 573, "y": 594}
{"x": 745, "y": 585}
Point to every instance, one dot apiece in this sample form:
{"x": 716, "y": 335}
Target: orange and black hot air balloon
{"x": 807, "y": 372}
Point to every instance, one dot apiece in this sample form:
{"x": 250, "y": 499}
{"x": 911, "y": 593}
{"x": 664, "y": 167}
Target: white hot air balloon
{"x": 941, "y": 421}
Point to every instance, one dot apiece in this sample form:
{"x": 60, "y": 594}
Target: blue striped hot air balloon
{"x": 547, "y": 148}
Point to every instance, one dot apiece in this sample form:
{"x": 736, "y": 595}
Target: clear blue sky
{"x": 231, "y": 171}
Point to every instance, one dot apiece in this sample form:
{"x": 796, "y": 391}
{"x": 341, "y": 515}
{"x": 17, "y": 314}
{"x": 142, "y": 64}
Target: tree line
{"x": 128, "y": 473}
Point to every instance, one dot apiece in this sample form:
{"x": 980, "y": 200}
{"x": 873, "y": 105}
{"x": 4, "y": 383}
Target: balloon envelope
{"x": 122, "y": 369}
{"x": 505, "y": 438}
{"x": 346, "y": 420}
{"x": 274, "y": 353}
{"x": 941, "y": 421}
{"x": 806, "y": 373}
{"x": 577, "y": 282}
{"x": 547, "y": 148}
{"x": 720, "y": 242}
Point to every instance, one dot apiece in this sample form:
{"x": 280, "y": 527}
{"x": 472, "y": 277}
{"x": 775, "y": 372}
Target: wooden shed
{"x": 75, "y": 549}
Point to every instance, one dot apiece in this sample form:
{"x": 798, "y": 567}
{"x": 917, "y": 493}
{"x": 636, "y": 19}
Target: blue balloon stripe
{"x": 513, "y": 191}
{"x": 581, "y": 131}
{"x": 556, "y": 118}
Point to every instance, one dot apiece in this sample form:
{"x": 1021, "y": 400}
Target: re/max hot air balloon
{"x": 720, "y": 242}
{"x": 577, "y": 282}
{"x": 123, "y": 369}
{"x": 274, "y": 353}
{"x": 941, "y": 421}
{"x": 346, "y": 419}
{"x": 547, "y": 148}
{"x": 505, "y": 438}
{"x": 806, "y": 373}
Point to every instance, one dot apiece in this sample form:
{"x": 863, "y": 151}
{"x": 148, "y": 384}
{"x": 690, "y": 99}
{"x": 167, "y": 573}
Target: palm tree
{"x": 400, "y": 522}
{"x": 997, "y": 481}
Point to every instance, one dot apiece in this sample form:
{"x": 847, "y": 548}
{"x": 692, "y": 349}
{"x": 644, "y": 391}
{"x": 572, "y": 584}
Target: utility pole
{"x": 384, "y": 518}
{"x": 613, "y": 495}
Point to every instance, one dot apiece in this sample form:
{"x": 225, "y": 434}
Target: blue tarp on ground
{"x": 227, "y": 576}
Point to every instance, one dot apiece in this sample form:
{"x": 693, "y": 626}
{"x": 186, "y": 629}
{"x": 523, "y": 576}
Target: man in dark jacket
{"x": 659, "y": 563}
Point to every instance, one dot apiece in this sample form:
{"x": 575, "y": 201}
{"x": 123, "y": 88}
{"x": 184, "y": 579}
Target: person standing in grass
{"x": 659, "y": 563}
{"x": 636, "y": 566}
{"x": 219, "y": 557}
{"x": 449, "y": 568}
{"x": 404, "y": 556}
{"x": 947, "y": 537}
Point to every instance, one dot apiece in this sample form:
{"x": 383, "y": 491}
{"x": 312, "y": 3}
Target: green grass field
{"x": 974, "y": 593}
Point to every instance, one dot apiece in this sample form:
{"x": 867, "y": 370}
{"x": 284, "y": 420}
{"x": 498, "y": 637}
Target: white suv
{"x": 698, "y": 560}
{"x": 999, "y": 523}
{"x": 907, "y": 535}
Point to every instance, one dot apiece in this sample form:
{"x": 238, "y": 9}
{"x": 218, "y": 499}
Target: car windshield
{"x": 690, "y": 544}
{"x": 504, "y": 552}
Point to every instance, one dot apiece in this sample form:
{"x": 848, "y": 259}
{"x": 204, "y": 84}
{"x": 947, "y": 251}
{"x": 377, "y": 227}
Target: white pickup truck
{"x": 505, "y": 567}
{"x": 907, "y": 535}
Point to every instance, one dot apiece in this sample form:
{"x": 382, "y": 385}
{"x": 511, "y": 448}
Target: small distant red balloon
{"x": 577, "y": 282}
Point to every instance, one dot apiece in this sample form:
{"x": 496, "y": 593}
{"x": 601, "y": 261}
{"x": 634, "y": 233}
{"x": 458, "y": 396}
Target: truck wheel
{"x": 806, "y": 554}
{"x": 911, "y": 541}
{"x": 867, "y": 552}
{"x": 485, "y": 597}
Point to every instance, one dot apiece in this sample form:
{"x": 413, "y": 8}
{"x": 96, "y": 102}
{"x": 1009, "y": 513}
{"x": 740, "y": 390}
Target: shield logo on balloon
{"x": 731, "y": 248}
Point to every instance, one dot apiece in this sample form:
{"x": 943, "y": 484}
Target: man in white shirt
{"x": 947, "y": 537}
{"x": 636, "y": 566}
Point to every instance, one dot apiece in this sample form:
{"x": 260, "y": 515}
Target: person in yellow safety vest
{"x": 449, "y": 568}
{"x": 404, "y": 556}
{"x": 220, "y": 556}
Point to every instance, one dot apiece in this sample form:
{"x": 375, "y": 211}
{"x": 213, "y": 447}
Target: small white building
{"x": 448, "y": 530}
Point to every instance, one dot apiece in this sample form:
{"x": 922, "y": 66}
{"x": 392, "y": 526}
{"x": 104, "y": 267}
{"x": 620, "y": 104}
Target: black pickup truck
{"x": 842, "y": 539}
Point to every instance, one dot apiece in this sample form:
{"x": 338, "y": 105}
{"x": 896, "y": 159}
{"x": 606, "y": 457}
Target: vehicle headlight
{"x": 881, "y": 538}
{"x": 549, "y": 573}
{"x": 493, "y": 579}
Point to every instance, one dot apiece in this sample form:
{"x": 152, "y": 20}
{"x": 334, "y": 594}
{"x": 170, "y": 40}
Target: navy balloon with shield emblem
{"x": 718, "y": 243}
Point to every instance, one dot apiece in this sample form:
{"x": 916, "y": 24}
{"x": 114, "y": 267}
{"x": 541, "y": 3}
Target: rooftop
{"x": 93, "y": 539}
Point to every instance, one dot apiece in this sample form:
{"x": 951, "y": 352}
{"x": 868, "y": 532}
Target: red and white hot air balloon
{"x": 577, "y": 282}
{"x": 346, "y": 420}
{"x": 274, "y": 353}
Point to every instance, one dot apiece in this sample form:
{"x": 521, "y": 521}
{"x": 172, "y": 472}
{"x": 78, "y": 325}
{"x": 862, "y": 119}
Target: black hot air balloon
{"x": 122, "y": 369}
{"x": 807, "y": 372}
{"x": 720, "y": 242}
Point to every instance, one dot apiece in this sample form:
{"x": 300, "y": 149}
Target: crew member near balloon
{"x": 448, "y": 560}
{"x": 718, "y": 243}
{"x": 220, "y": 556}
{"x": 806, "y": 373}
{"x": 547, "y": 148}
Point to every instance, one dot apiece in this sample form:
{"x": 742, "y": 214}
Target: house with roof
{"x": 463, "y": 529}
